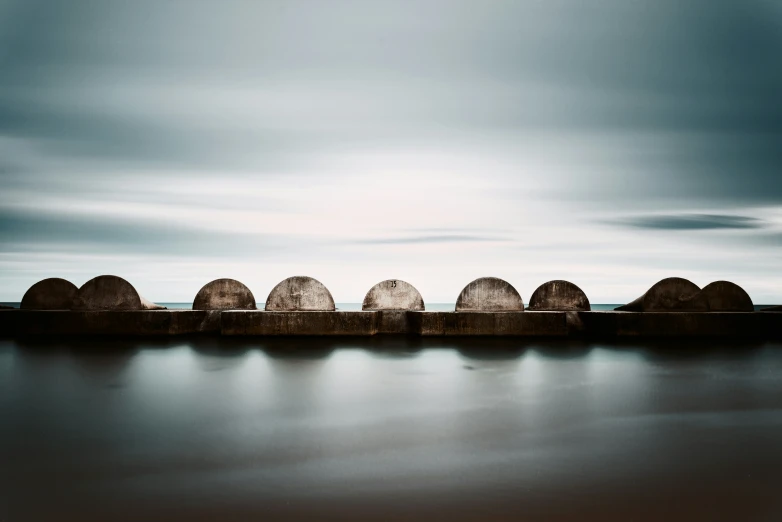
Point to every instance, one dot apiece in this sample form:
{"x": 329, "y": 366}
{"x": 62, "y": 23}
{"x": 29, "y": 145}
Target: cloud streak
{"x": 300, "y": 134}
{"x": 693, "y": 222}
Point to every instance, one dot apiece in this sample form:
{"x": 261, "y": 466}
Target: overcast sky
{"x": 608, "y": 142}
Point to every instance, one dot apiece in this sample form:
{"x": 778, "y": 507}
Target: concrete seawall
{"x": 302, "y": 306}
{"x": 21, "y": 323}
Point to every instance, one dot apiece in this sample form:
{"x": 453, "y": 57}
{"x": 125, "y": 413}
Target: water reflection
{"x": 389, "y": 429}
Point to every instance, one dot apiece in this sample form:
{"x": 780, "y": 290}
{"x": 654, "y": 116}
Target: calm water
{"x": 389, "y": 429}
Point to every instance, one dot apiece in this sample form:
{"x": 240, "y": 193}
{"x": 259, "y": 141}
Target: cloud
{"x": 432, "y": 239}
{"x": 153, "y": 236}
{"x": 693, "y": 222}
{"x": 292, "y": 129}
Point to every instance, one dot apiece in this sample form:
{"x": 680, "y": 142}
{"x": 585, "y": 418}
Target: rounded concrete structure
{"x": 673, "y": 294}
{"x": 299, "y": 294}
{"x": 224, "y": 294}
{"x": 558, "y": 296}
{"x": 489, "y": 294}
{"x": 107, "y": 292}
{"x": 53, "y": 293}
{"x": 393, "y": 294}
{"x": 724, "y": 296}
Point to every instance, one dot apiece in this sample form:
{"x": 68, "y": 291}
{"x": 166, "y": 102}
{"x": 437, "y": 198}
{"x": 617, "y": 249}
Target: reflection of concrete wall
{"x": 224, "y": 294}
{"x": 393, "y": 294}
{"x": 49, "y": 294}
{"x": 489, "y": 294}
{"x": 300, "y": 293}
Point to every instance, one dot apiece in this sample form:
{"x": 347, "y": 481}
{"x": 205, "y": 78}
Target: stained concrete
{"x": 559, "y": 296}
{"x": 395, "y": 322}
{"x": 724, "y": 296}
{"x": 739, "y": 325}
{"x": 300, "y": 293}
{"x": 393, "y": 294}
{"x": 109, "y": 292}
{"x": 299, "y": 323}
{"x": 114, "y": 322}
{"x": 224, "y": 294}
{"x": 680, "y": 295}
{"x": 673, "y": 294}
{"x": 53, "y": 293}
{"x": 533, "y": 324}
{"x": 489, "y": 294}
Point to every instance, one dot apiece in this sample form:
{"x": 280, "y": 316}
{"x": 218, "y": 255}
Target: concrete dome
{"x": 673, "y": 294}
{"x": 724, "y": 296}
{"x": 109, "y": 292}
{"x": 53, "y": 293}
{"x": 224, "y": 294}
{"x": 300, "y": 293}
{"x": 489, "y": 294}
{"x": 559, "y": 296}
{"x": 393, "y": 294}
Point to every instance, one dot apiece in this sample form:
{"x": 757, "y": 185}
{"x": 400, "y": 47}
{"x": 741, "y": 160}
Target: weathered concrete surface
{"x": 533, "y": 324}
{"x": 724, "y": 296}
{"x": 53, "y": 293}
{"x": 299, "y": 323}
{"x": 109, "y": 292}
{"x": 737, "y": 325}
{"x": 115, "y": 323}
{"x": 673, "y": 294}
{"x": 393, "y": 294}
{"x": 489, "y": 294}
{"x": 681, "y": 325}
{"x": 224, "y": 294}
{"x": 559, "y": 295}
{"x": 299, "y": 293}
{"x": 394, "y": 322}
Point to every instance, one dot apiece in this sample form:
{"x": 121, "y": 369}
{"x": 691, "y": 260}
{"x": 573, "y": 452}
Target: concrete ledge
{"x": 126, "y": 323}
{"x": 677, "y": 324}
{"x": 394, "y": 322}
{"x": 250, "y": 322}
{"x": 749, "y": 325}
{"x": 532, "y": 324}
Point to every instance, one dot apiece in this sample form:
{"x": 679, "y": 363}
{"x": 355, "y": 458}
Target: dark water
{"x": 389, "y": 430}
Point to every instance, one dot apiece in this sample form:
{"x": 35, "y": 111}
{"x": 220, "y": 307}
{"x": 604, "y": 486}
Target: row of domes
{"x": 301, "y": 293}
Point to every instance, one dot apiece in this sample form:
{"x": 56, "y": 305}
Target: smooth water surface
{"x": 389, "y": 429}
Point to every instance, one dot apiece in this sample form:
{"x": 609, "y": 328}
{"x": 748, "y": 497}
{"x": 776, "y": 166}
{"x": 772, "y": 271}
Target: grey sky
{"x": 612, "y": 143}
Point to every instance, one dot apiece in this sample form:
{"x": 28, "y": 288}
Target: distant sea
{"x": 431, "y": 307}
